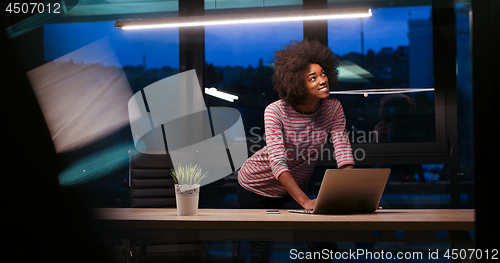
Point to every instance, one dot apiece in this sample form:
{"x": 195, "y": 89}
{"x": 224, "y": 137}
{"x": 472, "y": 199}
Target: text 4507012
{"x": 33, "y": 8}
{"x": 471, "y": 253}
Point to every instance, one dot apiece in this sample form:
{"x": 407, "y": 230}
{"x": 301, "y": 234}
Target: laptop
{"x": 349, "y": 191}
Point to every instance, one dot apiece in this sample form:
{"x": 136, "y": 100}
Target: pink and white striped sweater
{"x": 294, "y": 143}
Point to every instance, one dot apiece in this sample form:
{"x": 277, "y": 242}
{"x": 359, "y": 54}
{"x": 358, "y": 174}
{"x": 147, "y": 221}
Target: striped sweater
{"x": 294, "y": 143}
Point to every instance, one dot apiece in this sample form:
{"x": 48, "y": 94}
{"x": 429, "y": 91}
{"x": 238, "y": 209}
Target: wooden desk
{"x": 419, "y": 225}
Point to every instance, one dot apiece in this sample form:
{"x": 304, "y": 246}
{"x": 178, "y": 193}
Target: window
{"x": 102, "y": 59}
{"x": 386, "y": 75}
{"x": 390, "y": 51}
{"x": 239, "y": 61}
{"x": 145, "y": 56}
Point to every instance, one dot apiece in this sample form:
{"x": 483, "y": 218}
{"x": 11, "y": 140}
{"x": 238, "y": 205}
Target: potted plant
{"x": 187, "y": 188}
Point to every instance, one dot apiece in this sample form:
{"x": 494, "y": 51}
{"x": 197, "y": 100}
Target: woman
{"x": 296, "y": 130}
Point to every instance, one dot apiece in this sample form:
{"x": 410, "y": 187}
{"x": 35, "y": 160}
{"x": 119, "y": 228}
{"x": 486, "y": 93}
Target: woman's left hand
{"x": 347, "y": 166}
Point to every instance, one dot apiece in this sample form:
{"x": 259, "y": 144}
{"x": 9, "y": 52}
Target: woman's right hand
{"x": 309, "y": 204}
{"x": 293, "y": 189}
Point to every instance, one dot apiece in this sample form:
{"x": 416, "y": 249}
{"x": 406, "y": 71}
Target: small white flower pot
{"x": 186, "y": 199}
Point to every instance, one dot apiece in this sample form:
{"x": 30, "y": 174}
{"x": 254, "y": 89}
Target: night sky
{"x": 233, "y": 45}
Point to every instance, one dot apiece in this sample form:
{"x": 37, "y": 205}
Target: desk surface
{"x": 257, "y": 219}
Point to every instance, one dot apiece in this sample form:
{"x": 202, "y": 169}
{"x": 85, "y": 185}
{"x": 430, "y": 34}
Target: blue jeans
{"x": 260, "y": 251}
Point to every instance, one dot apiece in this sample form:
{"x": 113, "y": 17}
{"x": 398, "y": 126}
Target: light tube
{"x": 381, "y": 91}
{"x": 245, "y": 18}
{"x": 221, "y": 95}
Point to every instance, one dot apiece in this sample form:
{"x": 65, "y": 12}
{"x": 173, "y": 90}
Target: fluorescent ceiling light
{"x": 221, "y": 95}
{"x": 381, "y": 91}
{"x": 245, "y": 18}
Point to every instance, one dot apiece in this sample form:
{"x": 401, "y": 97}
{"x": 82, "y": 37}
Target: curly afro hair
{"x": 291, "y": 65}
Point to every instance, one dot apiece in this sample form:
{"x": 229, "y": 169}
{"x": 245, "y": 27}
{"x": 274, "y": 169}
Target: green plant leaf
{"x": 188, "y": 174}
